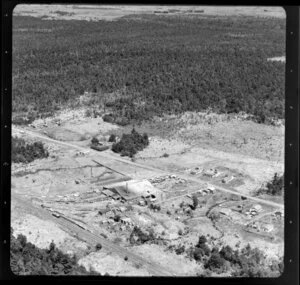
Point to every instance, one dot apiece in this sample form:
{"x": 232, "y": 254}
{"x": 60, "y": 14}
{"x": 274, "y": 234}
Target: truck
{"x": 56, "y": 214}
{"x": 99, "y": 147}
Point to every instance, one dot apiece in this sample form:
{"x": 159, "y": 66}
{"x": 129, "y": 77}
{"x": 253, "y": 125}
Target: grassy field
{"x": 145, "y": 65}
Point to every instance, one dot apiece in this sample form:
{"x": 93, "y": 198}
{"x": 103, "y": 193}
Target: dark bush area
{"x": 195, "y": 202}
{"x": 246, "y": 262}
{"x": 216, "y": 262}
{"x": 27, "y": 259}
{"x": 275, "y": 187}
{"x": 139, "y": 236}
{"x": 94, "y": 141}
{"x": 26, "y": 153}
{"x": 174, "y": 64}
{"x": 130, "y": 144}
{"x": 23, "y": 120}
{"x": 112, "y": 138}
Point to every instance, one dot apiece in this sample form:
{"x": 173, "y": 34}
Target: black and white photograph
{"x": 148, "y": 140}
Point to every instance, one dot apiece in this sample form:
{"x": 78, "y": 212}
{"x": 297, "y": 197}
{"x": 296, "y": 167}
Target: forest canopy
{"x": 150, "y": 66}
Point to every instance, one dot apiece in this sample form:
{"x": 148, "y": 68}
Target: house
{"x": 257, "y": 208}
{"x": 279, "y": 214}
{"x": 225, "y": 211}
{"x": 211, "y": 189}
{"x": 126, "y": 221}
{"x": 150, "y": 197}
{"x": 142, "y": 203}
{"x": 267, "y": 228}
{"x": 254, "y": 226}
{"x": 122, "y": 209}
{"x": 209, "y": 173}
{"x": 108, "y": 193}
{"x": 227, "y": 179}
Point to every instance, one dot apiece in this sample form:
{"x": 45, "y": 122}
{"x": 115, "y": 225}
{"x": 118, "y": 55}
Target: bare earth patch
{"x": 177, "y": 263}
{"x": 107, "y": 262}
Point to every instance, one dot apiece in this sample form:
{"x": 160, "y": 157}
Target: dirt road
{"x": 158, "y": 171}
{"x": 92, "y": 238}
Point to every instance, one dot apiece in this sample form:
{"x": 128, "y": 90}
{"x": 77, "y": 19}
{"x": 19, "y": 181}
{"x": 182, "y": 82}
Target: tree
{"x": 27, "y": 259}
{"x": 202, "y": 240}
{"x": 130, "y": 144}
{"x": 198, "y": 253}
{"x": 94, "y": 141}
{"x": 195, "y": 201}
{"x": 180, "y": 249}
{"x": 112, "y": 138}
{"x": 117, "y": 218}
{"x": 215, "y": 262}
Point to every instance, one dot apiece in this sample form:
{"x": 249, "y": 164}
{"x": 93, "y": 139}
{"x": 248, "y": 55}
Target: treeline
{"x": 27, "y": 259}
{"x": 26, "y": 152}
{"x": 275, "y": 187}
{"x": 244, "y": 262}
{"x": 161, "y": 64}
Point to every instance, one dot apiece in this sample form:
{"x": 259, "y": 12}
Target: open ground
{"x": 199, "y": 174}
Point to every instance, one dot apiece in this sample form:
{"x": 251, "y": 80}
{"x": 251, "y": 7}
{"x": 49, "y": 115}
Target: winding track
{"x": 159, "y": 171}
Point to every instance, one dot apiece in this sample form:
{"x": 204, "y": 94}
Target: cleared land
{"x": 216, "y": 136}
{"x": 71, "y": 183}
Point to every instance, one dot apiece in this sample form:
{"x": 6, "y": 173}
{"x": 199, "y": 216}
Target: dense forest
{"x": 27, "y": 259}
{"x": 140, "y": 66}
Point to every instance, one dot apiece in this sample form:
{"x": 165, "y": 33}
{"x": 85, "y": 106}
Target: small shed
{"x": 227, "y": 179}
{"x": 257, "y": 207}
{"x": 108, "y": 193}
{"x": 126, "y": 221}
{"x": 225, "y": 211}
{"x": 267, "y": 228}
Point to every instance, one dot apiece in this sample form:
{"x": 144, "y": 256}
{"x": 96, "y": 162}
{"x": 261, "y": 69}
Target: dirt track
{"x": 94, "y": 239}
{"x": 142, "y": 166}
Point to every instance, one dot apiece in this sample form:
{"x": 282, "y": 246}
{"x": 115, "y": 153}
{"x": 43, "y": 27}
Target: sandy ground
{"x": 112, "y": 12}
{"x": 170, "y": 260}
{"x": 42, "y": 233}
{"x": 67, "y": 181}
{"x": 72, "y": 125}
{"x": 277, "y": 58}
{"x": 107, "y": 262}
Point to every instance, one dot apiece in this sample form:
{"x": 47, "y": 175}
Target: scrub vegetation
{"x": 27, "y": 259}
{"x": 26, "y": 152}
{"x": 131, "y": 143}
